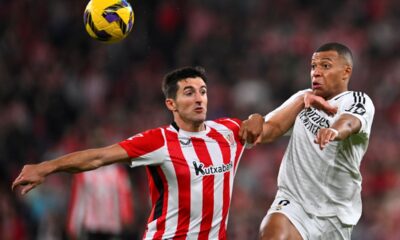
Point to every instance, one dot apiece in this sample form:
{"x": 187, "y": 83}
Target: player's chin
{"x": 200, "y": 117}
{"x": 319, "y": 92}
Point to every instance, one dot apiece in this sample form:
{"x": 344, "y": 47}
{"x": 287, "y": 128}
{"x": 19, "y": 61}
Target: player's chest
{"x": 312, "y": 120}
{"x": 202, "y": 156}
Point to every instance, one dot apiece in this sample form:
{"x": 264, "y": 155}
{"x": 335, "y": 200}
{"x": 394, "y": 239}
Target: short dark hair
{"x": 171, "y": 79}
{"x": 341, "y": 49}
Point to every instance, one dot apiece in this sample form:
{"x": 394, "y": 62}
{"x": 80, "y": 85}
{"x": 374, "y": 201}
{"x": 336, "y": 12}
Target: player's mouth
{"x": 199, "y": 109}
{"x": 316, "y": 86}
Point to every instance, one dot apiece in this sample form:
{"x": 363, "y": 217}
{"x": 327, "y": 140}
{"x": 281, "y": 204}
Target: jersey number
{"x": 357, "y": 108}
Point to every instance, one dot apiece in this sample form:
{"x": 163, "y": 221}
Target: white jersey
{"x": 327, "y": 182}
{"x": 190, "y": 177}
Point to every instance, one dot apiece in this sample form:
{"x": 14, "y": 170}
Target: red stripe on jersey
{"x": 143, "y": 143}
{"x": 182, "y": 172}
{"x": 226, "y": 154}
{"x": 208, "y": 188}
{"x": 234, "y": 125}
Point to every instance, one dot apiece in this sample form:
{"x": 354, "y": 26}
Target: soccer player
{"x": 101, "y": 204}
{"x": 190, "y": 163}
{"x": 319, "y": 181}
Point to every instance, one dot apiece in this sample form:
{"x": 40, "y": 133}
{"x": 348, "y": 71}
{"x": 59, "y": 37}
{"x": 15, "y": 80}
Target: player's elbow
{"x": 97, "y": 158}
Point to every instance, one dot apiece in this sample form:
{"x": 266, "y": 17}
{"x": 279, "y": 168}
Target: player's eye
{"x": 326, "y": 66}
{"x": 313, "y": 66}
{"x": 188, "y": 93}
{"x": 203, "y": 91}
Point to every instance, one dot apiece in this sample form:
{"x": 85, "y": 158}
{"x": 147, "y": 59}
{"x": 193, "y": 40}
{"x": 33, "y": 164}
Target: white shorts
{"x": 309, "y": 226}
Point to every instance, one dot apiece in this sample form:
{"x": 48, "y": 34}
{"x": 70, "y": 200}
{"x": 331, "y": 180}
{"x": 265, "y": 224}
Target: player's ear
{"x": 347, "y": 72}
{"x": 170, "y": 103}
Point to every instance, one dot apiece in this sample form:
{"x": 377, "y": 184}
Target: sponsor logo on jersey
{"x": 313, "y": 121}
{"x": 211, "y": 170}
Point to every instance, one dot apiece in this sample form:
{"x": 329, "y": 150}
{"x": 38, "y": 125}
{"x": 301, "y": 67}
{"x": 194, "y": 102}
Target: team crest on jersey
{"x": 229, "y": 137}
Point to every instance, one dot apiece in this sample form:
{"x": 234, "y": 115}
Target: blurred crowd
{"x": 61, "y": 91}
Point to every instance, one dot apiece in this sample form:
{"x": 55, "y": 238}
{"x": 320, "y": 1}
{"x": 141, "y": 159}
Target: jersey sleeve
{"x": 145, "y": 148}
{"x": 233, "y": 124}
{"x": 359, "y": 105}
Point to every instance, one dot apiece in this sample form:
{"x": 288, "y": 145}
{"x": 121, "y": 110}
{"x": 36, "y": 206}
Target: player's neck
{"x": 334, "y": 94}
{"x": 190, "y": 126}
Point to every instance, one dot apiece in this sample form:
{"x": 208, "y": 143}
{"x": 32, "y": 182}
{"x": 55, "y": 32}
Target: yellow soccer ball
{"x": 108, "y": 20}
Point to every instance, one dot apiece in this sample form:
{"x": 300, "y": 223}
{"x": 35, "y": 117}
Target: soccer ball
{"x": 108, "y": 20}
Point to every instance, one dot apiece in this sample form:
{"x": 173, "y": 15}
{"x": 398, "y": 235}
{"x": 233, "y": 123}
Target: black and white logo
{"x": 211, "y": 170}
{"x": 281, "y": 204}
{"x": 357, "y": 108}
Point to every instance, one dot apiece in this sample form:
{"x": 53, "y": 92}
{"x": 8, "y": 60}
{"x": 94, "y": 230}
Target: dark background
{"x": 61, "y": 91}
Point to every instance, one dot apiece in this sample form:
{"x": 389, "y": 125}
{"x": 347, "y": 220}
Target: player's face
{"x": 190, "y": 105}
{"x": 329, "y": 74}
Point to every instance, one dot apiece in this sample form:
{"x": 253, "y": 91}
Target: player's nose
{"x": 199, "y": 98}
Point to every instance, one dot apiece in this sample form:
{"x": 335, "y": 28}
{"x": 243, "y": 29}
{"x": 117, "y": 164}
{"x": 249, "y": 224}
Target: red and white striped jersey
{"x": 101, "y": 201}
{"x": 190, "y": 178}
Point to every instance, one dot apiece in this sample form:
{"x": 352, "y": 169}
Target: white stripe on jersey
{"x": 217, "y": 160}
{"x": 171, "y": 222}
{"x": 195, "y": 194}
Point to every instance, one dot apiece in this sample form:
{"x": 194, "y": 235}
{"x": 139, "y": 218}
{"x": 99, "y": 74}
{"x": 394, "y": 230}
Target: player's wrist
{"x": 255, "y": 115}
{"x": 335, "y": 131}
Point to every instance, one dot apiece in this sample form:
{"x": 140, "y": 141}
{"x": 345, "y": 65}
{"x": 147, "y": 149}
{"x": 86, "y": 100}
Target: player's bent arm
{"x": 346, "y": 125}
{"x": 281, "y": 121}
{"x": 284, "y": 117}
{"x": 34, "y": 174}
{"x": 341, "y": 129}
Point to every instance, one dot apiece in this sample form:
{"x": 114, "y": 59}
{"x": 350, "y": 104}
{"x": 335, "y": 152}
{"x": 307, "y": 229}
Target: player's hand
{"x": 251, "y": 129}
{"x": 324, "y": 136}
{"x": 30, "y": 177}
{"x": 312, "y": 100}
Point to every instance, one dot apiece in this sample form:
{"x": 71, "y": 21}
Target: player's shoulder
{"x": 351, "y": 95}
{"x": 355, "y": 97}
{"x": 154, "y": 132}
{"x": 355, "y": 102}
{"x": 228, "y": 122}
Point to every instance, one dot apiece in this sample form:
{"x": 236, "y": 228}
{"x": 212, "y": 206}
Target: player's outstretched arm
{"x": 32, "y": 175}
{"x": 341, "y": 129}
